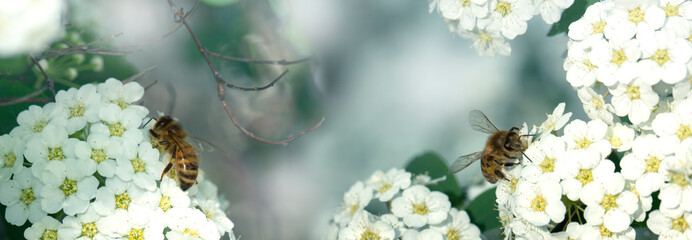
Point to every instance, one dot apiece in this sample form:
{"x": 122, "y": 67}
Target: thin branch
{"x": 138, "y": 75}
{"x": 258, "y": 61}
{"x": 257, "y": 88}
{"x": 25, "y": 98}
{"x": 49, "y": 81}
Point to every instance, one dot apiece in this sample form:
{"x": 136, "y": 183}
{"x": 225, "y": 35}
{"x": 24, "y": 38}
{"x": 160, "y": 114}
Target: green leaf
{"x": 571, "y": 14}
{"x": 483, "y": 212}
{"x": 433, "y": 165}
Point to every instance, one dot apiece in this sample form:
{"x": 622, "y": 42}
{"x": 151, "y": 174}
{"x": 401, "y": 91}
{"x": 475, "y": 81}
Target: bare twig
{"x": 138, "y": 75}
{"x": 180, "y": 17}
{"x": 25, "y": 98}
{"x": 250, "y": 60}
{"x": 49, "y": 81}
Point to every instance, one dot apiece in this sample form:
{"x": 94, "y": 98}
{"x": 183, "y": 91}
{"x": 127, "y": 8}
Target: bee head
{"x": 513, "y": 142}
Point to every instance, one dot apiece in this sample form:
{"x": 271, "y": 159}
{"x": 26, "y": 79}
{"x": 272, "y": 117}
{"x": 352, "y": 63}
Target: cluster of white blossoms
{"x": 83, "y": 167}
{"x": 413, "y": 212}
{"x": 29, "y": 26}
{"x": 490, "y": 23}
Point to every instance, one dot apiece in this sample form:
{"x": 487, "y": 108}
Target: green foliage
{"x": 218, "y": 3}
{"x": 571, "y": 14}
{"x": 12, "y": 231}
{"x": 433, "y": 165}
{"x": 483, "y": 212}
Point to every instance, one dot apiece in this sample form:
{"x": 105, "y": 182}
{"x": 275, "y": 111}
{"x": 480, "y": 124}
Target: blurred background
{"x": 389, "y": 78}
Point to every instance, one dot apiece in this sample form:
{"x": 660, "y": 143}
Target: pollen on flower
{"x": 9, "y": 160}
{"x": 590, "y": 66}
{"x": 77, "y": 110}
{"x": 679, "y": 179}
{"x": 68, "y": 187}
{"x": 89, "y": 229}
{"x": 384, "y": 187}
{"x": 27, "y": 196}
{"x": 465, "y": 2}
{"x": 453, "y": 234}
{"x": 420, "y": 208}
{"x": 503, "y": 8}
{"x": 680, "y": 224}
{"x": 633, "y": 92}
{"x": 661, "y": 56}
{"x": 582, "y": 143}
{"x": 98, "y": 155}
{"x": 352, "y": 209}
{"x": 369, "y": 235}
{"x": 636, "y": 15}
{"x": 121, "y": 103}
{"x": 122, "y": 200}
{"x": 598, "y": 26}
{"x": 486, "y": 39}
{"x": 615, "y": 141}
{"x": 585, "y": 176}
{"x": 138, "y": 165}
{"x": 683, "y": 132}
{"x": 597, "y": 102}
{"x": 538, "y": 204}
{"x": 191, "y": 232}
{"x": 513, "y": 184}
{"x": 605, "y": 232}
{"x": 548, "y": 165}
{"x": 619, "y": 57}
{"x": 116, "y": 129}
{"x": 136, "y": 234}
{"x": 39, "y": 125}
{"x": 55, "y": 154}
{"x": 165, "y": 203}
{"x": 652, "y": 164}
{"x": 671, "y": 10}
{"x": 609, "y": 202}
{"x": 49, "y": 235}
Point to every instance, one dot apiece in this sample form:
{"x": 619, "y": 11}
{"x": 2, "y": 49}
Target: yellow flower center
{"x": 548, "y": 165}
{"x": 77, "y": 110}
{"x": 671, "y": 10}
{"x": 609, "y": 202}
{"x": 116, "y": 129}
{"x": 420, "y": 208}
{"x": 683, "y": 132}
{"x": 680, "y": 224}
{"x": 165, "y": 203}
{"x": 191, "y": 232}
{"x": 661, "y": 56}
{"x": 582, "y": 143}
{"x": 619, "y": 57}
{"x": 513, "y": 184}
{"x": 679, "y": 179}
{"x": 465, "y": 3}
{"x": 89, "y": 229}
{"x": 353, "y": 208}
{"x": 9, "y": 160}
{"x": 636, "y": 15}
{"x": 605, "y": 232}
{"x": 585, "y": 176}
{"x": 27, "y": 196}
{"x": 384, "y": 187}
{"x": 68, "y": 187}
{"x": 615, "y": 141}
{"x": 55, "y": 154}
{"x": 453, "y": 234}
{"x": 538, "y": 204}
{"x": 139, "y": 165}
{"x": 486, "y": 39}
{"x": 590, "y": 66}
{"x": 122, "y": 200}
{"x": 597, "y": 103}
{"x": 598, "y": 26}
{"x": 633, "y": 92}
{"x": 136, "y": 234}
{"x": 121, "y": 103}
{"x": 39, "y": 125}
{"x": 504, "y": 8}
{"x": 652, "y": 164}
{"x": 98, "y": 155}
{"x": 49, "y": 235}
{"x": 369, "y": 235}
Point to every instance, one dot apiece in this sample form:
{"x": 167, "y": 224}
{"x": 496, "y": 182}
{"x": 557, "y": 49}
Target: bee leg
{"x": 165, "y": 170}
{"x": 509, "y": 164}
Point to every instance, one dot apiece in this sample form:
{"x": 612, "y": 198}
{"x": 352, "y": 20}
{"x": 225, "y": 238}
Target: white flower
{"x": 47, "y": 228}
{"x": 581, "y": 168}
{"x": 599, "y": 231}
{"x": 525, "y": 230}
{"x": 465, "y": 11}
{"x": 506, "y": 190}
{"x": 676, "y": 126}
{"x": 52, "y": 146}
{"x": 100, "y": 152}
{"x": 552, "y": 9}
{"x": 683, "y": 89}
{"x": 21, "y": 196}
{"x": 635, "y": 100}
{"x": 386, "y": 185}
{"x": 488, "y": 41}
{"x": 643, "y": 164}
{"x": 457, "y": 226}
{"x": 594, "y": 105}
{"x": 187, "y": 223}
{"x": 592, "y": 23}
{"x": 581, "y": 72}
{"x": 629, "y": 17}
{"x": 663, "y": 57}
{"x": 555, "y": 121}
{"x": 511, "y": 15}
{"x": 545, "y": 156}
{"x": 671, "y": 224}
{"x": 114, "y": 91}
{"x": 141, "y": 222}
{"x": 608, "y": 203}
{"x": 620, "y": 136}
{"x": 588, "y": 136}
{"x": 81, "y": 105}
{"x": 215, "y": 215}
{"x": 366, "y": 226}
{"x": 425, "y": 234}
{"x": 118, "y": 195}
{"x": 140, "y": 165}
{"x": 170, "y": 195}
{"x": 35, "y": 119}
{"x": 616, "y": 61}
{"x": 357, "y": 198}
{"x": 677, "y": 191}
{"x": 88, "y": 225}
{"x": 71, "y": 190}
{"x": 539, "y": 202}
{"x": 645, "y": 202}
{"x": 418, "y": 206}
{"x": 396, "y": 223}
{"x": 29, "y": 26}
{"x": 11, "y": 156}
{"x": 122, "y": 124}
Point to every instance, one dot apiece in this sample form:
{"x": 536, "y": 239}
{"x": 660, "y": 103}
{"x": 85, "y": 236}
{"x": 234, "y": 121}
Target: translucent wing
{"x": 464, "y": 161}
{"x": 480, "y": 122}
{"x": 201, "y": 144}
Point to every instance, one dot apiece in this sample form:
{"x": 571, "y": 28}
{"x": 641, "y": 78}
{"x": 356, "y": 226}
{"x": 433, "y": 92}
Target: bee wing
{"x": 201, "y": 144}
{"x": 464, "y": 161}
{"x": 480, "y": 122}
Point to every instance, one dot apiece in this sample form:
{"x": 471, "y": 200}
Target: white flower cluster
{"x": 29, "y": 26}
{"x": 490, "y": 23}
{"x": 84, "y": 168}
{"x": 413, "y": 211}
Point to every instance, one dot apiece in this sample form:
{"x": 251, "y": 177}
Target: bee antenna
{"x": 148, "y": 122}
{"x": 527, "y": 157}
{"x": 529, "y": 135}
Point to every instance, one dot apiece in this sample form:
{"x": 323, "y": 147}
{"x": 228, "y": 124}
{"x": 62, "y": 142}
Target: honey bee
{"x": 503, "y": 149}
{"x": 170, "y": 138}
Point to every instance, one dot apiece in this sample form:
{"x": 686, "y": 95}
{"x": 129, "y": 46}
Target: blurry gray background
{"x": 390, "y": 79}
